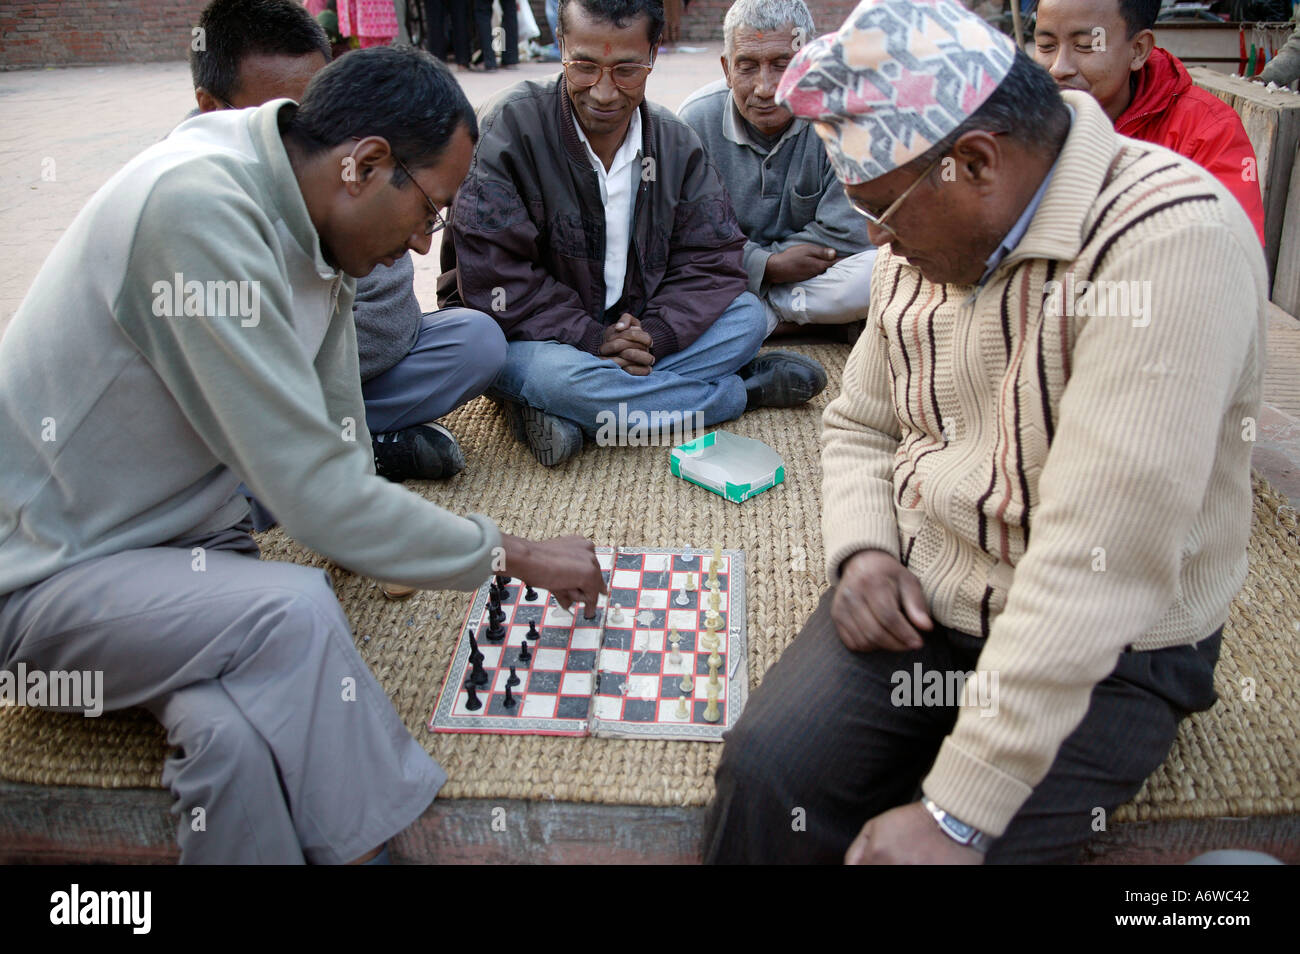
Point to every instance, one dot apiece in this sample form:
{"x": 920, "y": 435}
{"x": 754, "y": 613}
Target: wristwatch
{"x": 958, "y": 831}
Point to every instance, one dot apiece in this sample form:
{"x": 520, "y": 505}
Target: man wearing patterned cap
{"x": 1065, "y": 337}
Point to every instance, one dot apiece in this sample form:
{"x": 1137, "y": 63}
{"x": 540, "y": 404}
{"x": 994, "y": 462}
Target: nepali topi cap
{"x": 893, "y": 81}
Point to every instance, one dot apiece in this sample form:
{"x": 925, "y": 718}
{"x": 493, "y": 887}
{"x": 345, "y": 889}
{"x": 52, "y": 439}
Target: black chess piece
{"x": 530, "y": 594}
{"x": 477, "y": 674}
{"x": 494, "y": 593}
{"x": 509, "y": 701}
{"x": 513, "y": 679}
{"x": 475, "y": 654}
{"x": 503, "y": 581}
{"x": 472, "y": 701}
{"x": 532, "y": 630}
{"x": 496, "y": 614}
{"x": 524, "y": 654}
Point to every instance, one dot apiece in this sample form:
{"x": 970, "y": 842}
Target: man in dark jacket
{"x": 594, "y": 229}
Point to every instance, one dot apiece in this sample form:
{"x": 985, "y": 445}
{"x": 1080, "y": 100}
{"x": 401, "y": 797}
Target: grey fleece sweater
{"x": 183, "y": 331}
{"x": 387, "y": 316}
{"x": 785, "y": 196}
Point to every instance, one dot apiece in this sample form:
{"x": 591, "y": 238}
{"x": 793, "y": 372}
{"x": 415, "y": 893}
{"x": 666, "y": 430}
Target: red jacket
{"x": 1171, "y": 111}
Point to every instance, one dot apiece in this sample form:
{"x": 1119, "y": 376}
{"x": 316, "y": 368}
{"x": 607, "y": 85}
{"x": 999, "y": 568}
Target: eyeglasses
{"x": 437, "y": 223}
{"x": 879, "y": 220}
{"x": 584, "y": 74}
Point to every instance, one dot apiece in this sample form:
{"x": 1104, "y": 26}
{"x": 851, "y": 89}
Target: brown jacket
{"x": 527, "y": 237}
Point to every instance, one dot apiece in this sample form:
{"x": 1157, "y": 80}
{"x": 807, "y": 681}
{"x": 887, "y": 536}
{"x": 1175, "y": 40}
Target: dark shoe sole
{"x": 796, "y": 381}
{"x": 550, "y": 439}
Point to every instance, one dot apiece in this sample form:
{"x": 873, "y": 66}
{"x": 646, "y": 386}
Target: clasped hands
{"x": 628, "y": 345}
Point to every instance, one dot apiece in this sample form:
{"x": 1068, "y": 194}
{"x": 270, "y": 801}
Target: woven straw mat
{"x": 1240, "y": 758}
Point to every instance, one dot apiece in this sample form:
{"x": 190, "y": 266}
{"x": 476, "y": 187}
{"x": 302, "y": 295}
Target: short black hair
{"x": 619, "y": 13}
{"x": 1026, "y": 107}
{"x": 405, "y": 95}
{"x": 1139, "y": 15}
{"x": 234, "y": 29}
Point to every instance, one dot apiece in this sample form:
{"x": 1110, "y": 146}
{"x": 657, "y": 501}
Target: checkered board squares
{"x": 599, "y": 677}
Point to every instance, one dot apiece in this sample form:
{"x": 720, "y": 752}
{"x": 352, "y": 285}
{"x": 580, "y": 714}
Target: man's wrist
{"x": 960, "y": 832}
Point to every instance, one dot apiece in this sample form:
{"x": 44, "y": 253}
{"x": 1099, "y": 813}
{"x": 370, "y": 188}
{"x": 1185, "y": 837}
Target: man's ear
{"x": 726, "y": 70}
{"x": 370, "y": 161}
{"x": 207, "y": 102}
{"x": 977, "y": 159}
{"x": 1143, "y": 44}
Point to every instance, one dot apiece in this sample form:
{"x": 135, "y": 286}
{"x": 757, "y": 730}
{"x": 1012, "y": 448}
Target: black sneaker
{"x": 423, "y": 452}
{"x": 552, "y": 440}
{"x": 781, "y": 379}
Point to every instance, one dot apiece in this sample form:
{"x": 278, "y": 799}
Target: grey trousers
{"x": 456, "y": 355}
{"x": 837, "y": 296}
{"x": 288, "y": 749}
{"x": 821, "y": 734}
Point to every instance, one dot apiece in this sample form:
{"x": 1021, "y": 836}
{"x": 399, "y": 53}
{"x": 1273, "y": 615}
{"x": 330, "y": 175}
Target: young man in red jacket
{"x": 1106, "y": 48}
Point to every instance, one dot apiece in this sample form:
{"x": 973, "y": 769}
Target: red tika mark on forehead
{"x": 608, "y": 49}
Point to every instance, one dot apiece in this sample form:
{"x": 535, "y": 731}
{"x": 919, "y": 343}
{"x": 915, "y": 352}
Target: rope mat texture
{"x": 1240, "y": 758}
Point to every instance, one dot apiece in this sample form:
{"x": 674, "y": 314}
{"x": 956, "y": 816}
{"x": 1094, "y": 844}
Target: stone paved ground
{"x": 64, "y": 132}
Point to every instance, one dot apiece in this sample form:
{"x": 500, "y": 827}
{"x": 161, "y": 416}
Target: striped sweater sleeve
{"x": 860, "y": 434}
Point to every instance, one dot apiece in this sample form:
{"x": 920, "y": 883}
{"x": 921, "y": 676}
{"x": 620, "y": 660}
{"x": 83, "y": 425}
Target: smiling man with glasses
{"x": 1034, "y": 492}
{"x": 595, "y": 230}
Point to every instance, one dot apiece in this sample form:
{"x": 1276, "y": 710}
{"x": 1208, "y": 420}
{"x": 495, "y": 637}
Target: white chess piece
{"x": 682, "y": 599}
{"x": 615, "y": 613}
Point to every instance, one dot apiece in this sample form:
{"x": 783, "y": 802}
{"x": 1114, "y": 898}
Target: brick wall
{"x": 703, "y": 18}
{"x": 79, "y": 32}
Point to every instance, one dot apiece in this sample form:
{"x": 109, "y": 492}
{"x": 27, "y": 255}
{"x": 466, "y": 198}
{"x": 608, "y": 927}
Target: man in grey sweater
{"x": 808, "y": 256}
{"x": 415, "y": 366}
{"x": 194, "y": 326}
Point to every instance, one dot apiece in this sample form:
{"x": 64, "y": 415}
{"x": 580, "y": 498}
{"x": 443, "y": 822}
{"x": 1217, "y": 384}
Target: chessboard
{"x": 616, "y": 674}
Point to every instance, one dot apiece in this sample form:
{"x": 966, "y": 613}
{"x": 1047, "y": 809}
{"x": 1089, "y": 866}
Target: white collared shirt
{"x": 617, "y": 192}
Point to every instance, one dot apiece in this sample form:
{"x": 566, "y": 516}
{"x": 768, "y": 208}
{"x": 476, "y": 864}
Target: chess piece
{"x": 713, "y": 670}
{"x": 615, "y": 614}
{"x": 495, "y": 631}
{"x": 530, "y": 594}
{"x": 524, "y": 654}
{"x": 688, "y": 682}
{"x": 513, "y": 679}
{"x": 682, "y": 599}
{"x": 714, "y": 658}
{"x": 711, "y": 713}
{"x": 675, "y": 640}
{"x": 532, "y": 630}
{"x": 503, "y": 581}
{"x": 509, "y": 701}
{"x": 690, "y": 582}
{"x": 472, "y": 701}
{"x": 683, "y": 708}
{"x": 494, "y": 593}
{"x": 688, "y": 555}
{"x": 475, "y": 654}
{"x": 477, "y": 674}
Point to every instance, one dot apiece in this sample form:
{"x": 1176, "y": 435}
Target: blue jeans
{"x": 561, "y": 380}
